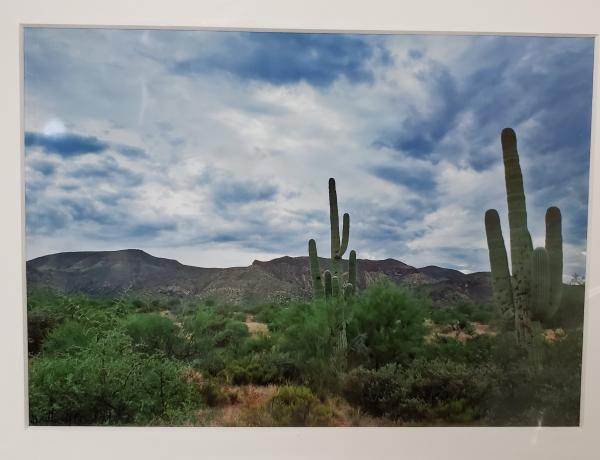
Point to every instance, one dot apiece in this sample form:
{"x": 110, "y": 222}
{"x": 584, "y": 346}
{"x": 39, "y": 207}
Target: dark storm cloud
{"x": 65, "y": 144}
{"x": 318, "y": 59}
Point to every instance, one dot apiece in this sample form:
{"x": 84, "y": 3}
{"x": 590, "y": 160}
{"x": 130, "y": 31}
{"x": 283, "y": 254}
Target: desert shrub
{"x": 484, "y": 314}
{"x": 211, "y": 361}
{"x": 425, "y": 391}
{"x": 141, "y": 306}
{"x": 232, "y": 334}
{"x": 461, "y": 314}
{"x": 570, "y": 313}
{"x": 267, "y": 313}
{"x": 298, "y": 406}
{"x": 305, "y": 333}
{"x": 538, "y": 384}
{"x": 262, "y": 369}
{"x": 475, "y": 351}
{"x": 107, "y": 383}
{"x": 39, "y": 324}
{"x": 173, "y": 302}
{"x": 390, "y": 319}
{"x": 214, "y": 340}
{"x": 212, "y": 393}
{"x": 151, "y": 333}
{"x": 70, "y": 336}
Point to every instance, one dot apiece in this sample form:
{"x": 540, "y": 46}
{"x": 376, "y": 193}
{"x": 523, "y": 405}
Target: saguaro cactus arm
{"x": 345, "y": 234}
{"x": 334, "y": 219}
{"x": 352, "y": 270}
{"x": 348, "y": 290}
{"x": 554, "y": 247}
{"x": 501, "y": 283}
{"x": 540, "y": 283}
{"x": 336, "y": 289}
{"x": 328, "y": 284}
{"x": 315, "y": 270}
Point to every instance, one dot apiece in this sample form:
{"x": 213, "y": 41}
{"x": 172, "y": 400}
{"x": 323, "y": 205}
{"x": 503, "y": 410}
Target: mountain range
{"x": 135, "y": 272}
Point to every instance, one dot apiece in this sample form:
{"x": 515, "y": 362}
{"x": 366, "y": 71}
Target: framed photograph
{"x": 242, "y": 234}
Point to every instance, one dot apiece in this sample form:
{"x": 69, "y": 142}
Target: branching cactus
{"x": 534, "y": 289}
{"x": 337, "y": 248}
{"x": 334, "y": 285}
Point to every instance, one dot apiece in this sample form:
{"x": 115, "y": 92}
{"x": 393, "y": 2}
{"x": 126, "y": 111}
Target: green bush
{"x": 232, "y": 334}
{"x": 427, "y": 391}
{"x": 539, "y": 384}
{"x": 390, "y": 319}
{"x": 214, "y": 340}
{"x": 70, "y": 336}
{"x": 107, "y": 383}
{"x": 152, "y": 333}
{"x": 304, "y": 333}
{"x": 104, "y": 361}
{"x": 262, "y": 369}
{"x": 298, "y": 406}
{"x": 39, "y": 324}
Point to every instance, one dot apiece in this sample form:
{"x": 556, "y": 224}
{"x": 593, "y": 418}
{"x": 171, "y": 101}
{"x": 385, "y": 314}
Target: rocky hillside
{"x": 135, "y": 272}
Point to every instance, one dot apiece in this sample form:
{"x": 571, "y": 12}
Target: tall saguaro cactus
{"x": 534, "y": 290}
{"x": 337, "y": 248}
{"x": 334, "y": 286}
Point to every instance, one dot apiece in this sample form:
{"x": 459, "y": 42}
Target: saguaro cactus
{"x": 534, "y": 290}
{"x": 328, "y": 284}
{"x": 335, "y": 286}
{"x": 315, "y": 270}
{"x": 352, "y": 272}
{"x": 337, "y": 248}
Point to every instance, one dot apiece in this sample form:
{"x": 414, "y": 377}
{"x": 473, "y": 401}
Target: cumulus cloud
{"x": 215, "y": 147}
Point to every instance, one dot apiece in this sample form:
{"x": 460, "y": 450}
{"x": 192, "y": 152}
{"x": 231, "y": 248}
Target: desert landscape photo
{"x": 253, "y": 229}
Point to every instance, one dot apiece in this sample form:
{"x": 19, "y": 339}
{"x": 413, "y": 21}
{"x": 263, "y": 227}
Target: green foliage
{"x": 390, "y": 320}
{"x": 537, "y": 385}
{"x": 426, "y": 391}
{"x": 460, "y": 316}
{"x": 305, "y": 333}
{"x": 39, "y": 324}
{"x": 102, "y": 361}
{"x": 107, "y": 383}
{"x": 262, "y": 369}
{"x": 151, "y": 333}
{"x": 298, "y": 406}
{"x": 213, "y": 339}
{"x": 570, "y": 313}
{"x": 68, "y": 337}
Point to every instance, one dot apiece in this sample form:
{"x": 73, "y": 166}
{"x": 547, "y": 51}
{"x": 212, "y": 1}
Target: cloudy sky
{"x": 215, "y": 148}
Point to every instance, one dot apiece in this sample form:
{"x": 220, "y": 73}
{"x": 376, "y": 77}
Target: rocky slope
{"x": 135, "y": 272}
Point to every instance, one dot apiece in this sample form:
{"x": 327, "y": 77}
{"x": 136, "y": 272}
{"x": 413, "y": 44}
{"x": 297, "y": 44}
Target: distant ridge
{"x": 135, "y": 272}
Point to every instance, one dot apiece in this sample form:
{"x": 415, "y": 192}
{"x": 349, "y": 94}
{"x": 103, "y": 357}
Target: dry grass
{"x": 248, "y": 407}
{"x": 553, "y": 335}
{"x": 458, "y": 334}
{"x": 254, "y": 327}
